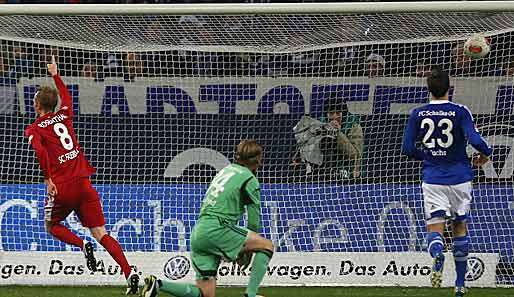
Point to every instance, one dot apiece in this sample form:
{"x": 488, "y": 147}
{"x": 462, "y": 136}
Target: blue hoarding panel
{"x": 301, "y": 217}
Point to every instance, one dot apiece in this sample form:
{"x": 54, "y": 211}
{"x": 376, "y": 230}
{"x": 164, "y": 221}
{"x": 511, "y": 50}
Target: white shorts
{"x": 446, "y": 201}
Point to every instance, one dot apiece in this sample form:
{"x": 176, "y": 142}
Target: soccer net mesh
{"x": 162, "y": 100}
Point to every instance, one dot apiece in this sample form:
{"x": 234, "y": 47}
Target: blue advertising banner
{"x": 258, "y": 95}
{"x": 308, "y": 217}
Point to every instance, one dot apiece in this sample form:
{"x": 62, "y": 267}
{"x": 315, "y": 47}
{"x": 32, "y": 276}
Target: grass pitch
{"x": 23, "y": 291}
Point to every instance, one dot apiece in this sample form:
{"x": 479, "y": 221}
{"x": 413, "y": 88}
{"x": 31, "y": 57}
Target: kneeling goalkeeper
{"x": 216, "y": 234}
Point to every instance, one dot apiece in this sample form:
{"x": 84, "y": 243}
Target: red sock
{"x": 64, "y": 234}
{"x": 114, "y": 249}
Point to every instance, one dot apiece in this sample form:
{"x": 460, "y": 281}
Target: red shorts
{"x": 79, "y": 196}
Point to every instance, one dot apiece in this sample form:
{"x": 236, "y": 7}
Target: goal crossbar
{"x": 274, "y": 8}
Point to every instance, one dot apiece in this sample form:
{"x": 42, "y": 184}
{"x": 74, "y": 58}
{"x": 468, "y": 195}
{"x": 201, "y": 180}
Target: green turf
{"x": 17, "y": 291}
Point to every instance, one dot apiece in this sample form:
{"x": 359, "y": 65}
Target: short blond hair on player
{"x": 47, "y": 97}
{"x": 247, "y": 152}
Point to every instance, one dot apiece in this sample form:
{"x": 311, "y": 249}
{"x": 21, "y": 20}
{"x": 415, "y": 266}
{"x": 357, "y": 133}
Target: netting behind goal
{"x": 161, "y": 101}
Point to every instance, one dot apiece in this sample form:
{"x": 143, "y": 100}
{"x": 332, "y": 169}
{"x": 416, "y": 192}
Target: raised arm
{"x": 66, "y": 100}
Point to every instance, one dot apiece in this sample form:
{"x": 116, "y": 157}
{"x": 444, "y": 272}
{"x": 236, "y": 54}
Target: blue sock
{"x": 460, "y": 254}
{"x": 435, "y": 244}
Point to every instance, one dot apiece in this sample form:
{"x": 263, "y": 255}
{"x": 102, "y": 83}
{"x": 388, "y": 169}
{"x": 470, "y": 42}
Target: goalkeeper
{"x": 216, "y": 234}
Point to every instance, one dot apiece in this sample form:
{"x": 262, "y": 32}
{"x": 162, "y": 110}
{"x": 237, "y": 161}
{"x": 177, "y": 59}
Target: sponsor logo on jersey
{"x": 476, "y": 268}
{"x": 68, "y": 156}
{"x": 177, "y": 267}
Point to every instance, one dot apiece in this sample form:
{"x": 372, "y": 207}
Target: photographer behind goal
{"x": 332, "y": 146}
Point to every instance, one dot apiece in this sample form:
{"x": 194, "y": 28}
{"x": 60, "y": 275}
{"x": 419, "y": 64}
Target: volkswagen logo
{"x": 177, "y": 267}
{"x": 476, "y": 269}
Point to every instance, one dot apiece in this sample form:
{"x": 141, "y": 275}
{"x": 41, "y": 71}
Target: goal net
{"x": 161, "y": 101}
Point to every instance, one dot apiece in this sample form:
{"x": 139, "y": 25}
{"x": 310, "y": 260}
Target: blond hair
{"x": 247, "y": 152}
{"x": 47, "y": 98}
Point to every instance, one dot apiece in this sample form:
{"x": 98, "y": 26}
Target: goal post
{"x": 162, "y": 95}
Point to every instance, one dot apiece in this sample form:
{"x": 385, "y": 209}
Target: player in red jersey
{"x": 67, "y": 173}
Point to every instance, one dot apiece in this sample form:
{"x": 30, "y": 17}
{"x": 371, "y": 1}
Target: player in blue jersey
{"x": 437, "y": 134}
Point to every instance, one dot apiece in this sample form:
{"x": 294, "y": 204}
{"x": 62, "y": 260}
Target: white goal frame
{"x": 244, "y": 9}
{"x": 273, "y": 8}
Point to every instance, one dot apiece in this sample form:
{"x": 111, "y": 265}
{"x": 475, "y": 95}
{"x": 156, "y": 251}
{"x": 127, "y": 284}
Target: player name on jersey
{"x": 56, "y": 119}
{"x": 438, "y": 153}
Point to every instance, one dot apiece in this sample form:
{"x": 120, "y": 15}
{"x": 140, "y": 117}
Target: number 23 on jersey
{"x": 446, "y": 126}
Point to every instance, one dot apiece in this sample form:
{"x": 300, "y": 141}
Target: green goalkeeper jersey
{"x": 232, "y": 191}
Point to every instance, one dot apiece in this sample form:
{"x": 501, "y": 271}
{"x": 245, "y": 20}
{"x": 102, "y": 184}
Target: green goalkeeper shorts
{"x": 212, "y": 239}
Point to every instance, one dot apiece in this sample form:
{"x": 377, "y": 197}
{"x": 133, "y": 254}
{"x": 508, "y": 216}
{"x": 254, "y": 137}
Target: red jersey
{"x": 54, "y": 140}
